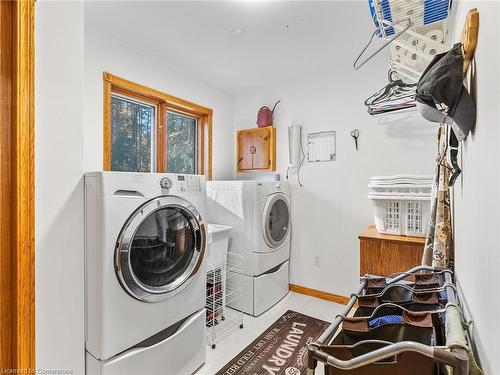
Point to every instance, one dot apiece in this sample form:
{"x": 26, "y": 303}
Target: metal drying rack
{"x": 455, "y": 357}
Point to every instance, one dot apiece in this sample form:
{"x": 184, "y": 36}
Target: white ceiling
{"x": 281, "y": 39}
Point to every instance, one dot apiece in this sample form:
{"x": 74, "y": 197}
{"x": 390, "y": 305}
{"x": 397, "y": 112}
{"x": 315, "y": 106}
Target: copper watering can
{"x": 265, "y": 116}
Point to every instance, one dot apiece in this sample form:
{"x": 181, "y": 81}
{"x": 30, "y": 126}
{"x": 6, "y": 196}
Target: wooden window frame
{"x": 164, "y": 103}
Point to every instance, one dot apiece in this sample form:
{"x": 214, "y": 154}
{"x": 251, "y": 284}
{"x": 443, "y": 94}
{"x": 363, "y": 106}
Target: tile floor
{"x": 253, "y": 327}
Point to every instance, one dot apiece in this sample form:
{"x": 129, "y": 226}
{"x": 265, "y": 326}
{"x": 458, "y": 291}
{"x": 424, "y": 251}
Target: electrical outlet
{"x": 317, "y": 261}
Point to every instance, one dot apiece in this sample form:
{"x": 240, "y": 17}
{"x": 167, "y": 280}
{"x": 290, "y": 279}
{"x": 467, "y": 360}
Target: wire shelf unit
{"x": 426, "y": 36}
{"x": 221, "y": 320}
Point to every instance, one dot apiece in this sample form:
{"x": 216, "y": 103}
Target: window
{"x": 132, "y": 129}
{"x": 181, "y": 143}
{"x": 146, "y": 130}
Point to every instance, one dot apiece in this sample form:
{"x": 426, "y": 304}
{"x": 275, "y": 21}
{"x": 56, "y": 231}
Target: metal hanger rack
{"x": 454, "y": 356}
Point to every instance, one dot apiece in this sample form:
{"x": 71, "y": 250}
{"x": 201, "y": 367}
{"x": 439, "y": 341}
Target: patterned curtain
{"x": 438, "y": 251}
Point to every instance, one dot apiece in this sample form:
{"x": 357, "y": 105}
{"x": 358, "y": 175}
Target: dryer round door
{"x": 276, "y": 220}
{"x": 160, "y": 248}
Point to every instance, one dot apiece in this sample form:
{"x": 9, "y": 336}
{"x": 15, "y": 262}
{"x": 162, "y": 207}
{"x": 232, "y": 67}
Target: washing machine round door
{"x": 160, "y": 248}
{"x": 276, "y": 220}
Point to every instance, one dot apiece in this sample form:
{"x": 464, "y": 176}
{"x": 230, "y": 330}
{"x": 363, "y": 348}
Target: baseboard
{"x": 343, "y": 300}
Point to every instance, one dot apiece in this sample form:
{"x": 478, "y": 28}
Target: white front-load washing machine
{"x": 145, "y": 273}
{"x": 259, "y": 212}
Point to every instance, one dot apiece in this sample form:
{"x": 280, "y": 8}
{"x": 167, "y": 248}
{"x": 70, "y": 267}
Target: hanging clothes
{"x": 438, "y": 250}
{"x": 442, "y": 98}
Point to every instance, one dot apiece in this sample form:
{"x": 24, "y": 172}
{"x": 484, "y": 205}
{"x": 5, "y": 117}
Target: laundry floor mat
{"x": 281, "y": 349}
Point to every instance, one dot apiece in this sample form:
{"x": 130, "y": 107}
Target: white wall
{"x": 69, "y": 66}
{"x": 147, "y": 68}
{"x": 328, "y": 213}
{"x": 477, "y": 207}
{"x": 59, "y": 192}
{"x": 331, "y": 209}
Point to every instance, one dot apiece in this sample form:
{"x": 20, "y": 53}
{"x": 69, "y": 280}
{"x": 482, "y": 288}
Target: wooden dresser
{"x": 383, "y": 254}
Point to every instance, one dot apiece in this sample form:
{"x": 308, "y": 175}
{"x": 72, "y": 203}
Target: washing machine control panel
{"x": 189, "y": 183}
{"x": 165, "y": 183}
{"x": 183, "y": 183}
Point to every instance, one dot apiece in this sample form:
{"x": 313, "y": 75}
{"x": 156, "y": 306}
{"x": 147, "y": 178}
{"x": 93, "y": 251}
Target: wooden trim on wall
{"x": 23, "y": 180}
{"x": 200, "y": 142}
{"x": 6, "y": 26}
{"x": 17, "y": 322}
{"x": 172, "y": 101}
{"x": 161, "y": 138}
{"x": 208, "y": 145}
{"x": 164, "y": 102}
{"x": 106, "y": 101}
{"x": 343, "y": 300}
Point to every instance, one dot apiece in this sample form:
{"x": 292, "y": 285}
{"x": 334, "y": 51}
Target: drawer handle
{"x": 274, "y": 269}
{"x": 140, "y": 348}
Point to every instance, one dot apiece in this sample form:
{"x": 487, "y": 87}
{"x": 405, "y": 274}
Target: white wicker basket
{"x": 401, "y": 214}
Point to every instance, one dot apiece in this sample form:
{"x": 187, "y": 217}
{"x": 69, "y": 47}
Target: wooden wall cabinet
{"x": 256, "y": 149}
{"x": 383, "y": 255}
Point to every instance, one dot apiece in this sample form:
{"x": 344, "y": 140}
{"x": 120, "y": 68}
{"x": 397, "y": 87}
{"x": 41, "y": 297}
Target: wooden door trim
{"x": 18, "y": 215}
{"x": 6, "y": 185}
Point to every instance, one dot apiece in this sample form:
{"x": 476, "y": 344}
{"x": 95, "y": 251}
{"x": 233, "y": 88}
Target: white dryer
{"x": 145, "y": 273}
{"x": 259, "y": 212}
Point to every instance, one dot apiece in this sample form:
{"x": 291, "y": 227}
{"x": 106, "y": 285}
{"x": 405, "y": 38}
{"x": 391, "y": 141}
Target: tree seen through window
{"x": 132, "y": 125}
{"x": 181, "y": 143}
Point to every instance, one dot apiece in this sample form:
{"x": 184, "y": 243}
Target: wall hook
{"x": 470, "y": 37}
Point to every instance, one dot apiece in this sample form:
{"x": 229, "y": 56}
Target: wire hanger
{"x": 394, "y": 90}
{"x": 396, "y": 95}
{"x": 381, "y": 31}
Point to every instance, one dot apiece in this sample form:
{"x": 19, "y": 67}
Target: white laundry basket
{"x": 402, "y": 179}
{"x": 401, "y": 214}
{"x": 418, "y": 190}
